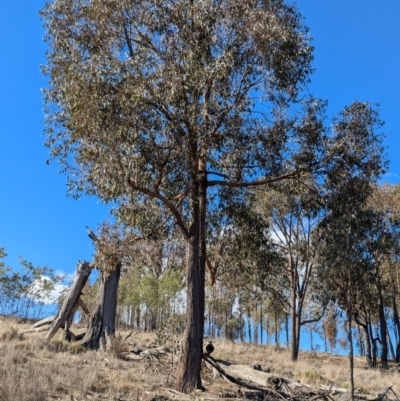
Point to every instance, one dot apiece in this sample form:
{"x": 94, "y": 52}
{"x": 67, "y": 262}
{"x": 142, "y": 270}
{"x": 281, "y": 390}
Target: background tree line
{"x": 295, "y": 256}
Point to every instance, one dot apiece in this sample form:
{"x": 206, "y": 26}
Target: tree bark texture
{"x": 368, "y": 353}
{"x": 188, "y": 376}
{"x": 102, "y": 321}
{"x": 351, "y": 354}
{"x": 383, "y": 333}
{"x": 68, "y": 308}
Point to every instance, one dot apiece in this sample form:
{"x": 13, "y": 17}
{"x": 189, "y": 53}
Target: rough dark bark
{"x": 383, "y": 333}
{"x": 368, "y": 354}
{"x": 138, "y": 317}
{"x": 188, "y": 376}
{"x": 398, "y": 352}
{"x": 241, "y": 332}
{"x": 374, "y": 352}
{"x": 68, "y": 308}
{"x": 102, "y": 321}
{"x": 249, "y": 328}
{"x": 351, "y": 352}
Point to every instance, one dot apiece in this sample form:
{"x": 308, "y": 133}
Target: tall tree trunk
{"x": 226, "y": 326}
{"x": 396, "y": 322}
{"x": 287, "y": 329}
{"x": 241, "y": 332}
{"x": 249, "y": 329}
{"x": 374, "y": 352}
{"x": 367, "y": 340}
{"x": 361, "y": 341}
{"x": 188, "y": 376}
{"x": 350, "y": 337}
{"x": 383, "y": 333}
{"x": 255, "y": 331}
{"x": 294, "y": 328}
{"x": 102, "y": 321}
{"x": 209, "y": 322}
{"x": 298, "y": 329}
{"x": 138, "y": 316}
{"x": 351, "y": 356}
{"x": 374, "y": 346}
{"x": 153, "y": 320}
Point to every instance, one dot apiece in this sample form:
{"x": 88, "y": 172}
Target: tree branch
{"x": 302, "y": 323}
{"x": 215, "y": 173}
{"x": 166, "y": 202}
{"x": 253, "y": 183}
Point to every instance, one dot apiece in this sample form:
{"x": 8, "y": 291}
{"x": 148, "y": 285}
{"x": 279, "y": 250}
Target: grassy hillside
{"x": 32, "y": 369}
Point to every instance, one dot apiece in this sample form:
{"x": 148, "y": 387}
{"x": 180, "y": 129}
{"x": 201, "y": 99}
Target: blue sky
{"x": 357, "y": 56}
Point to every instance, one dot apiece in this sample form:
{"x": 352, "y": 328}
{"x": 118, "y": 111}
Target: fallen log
{"x": 40, "y": 325}
{"x": 43, "y": 322}
{"x": 244, "y": 382}
{"x": 36, "y": 330}
{"x": 282, "y": 388}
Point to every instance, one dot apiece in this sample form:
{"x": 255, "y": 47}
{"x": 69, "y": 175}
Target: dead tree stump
{"x": 71, "y": 302}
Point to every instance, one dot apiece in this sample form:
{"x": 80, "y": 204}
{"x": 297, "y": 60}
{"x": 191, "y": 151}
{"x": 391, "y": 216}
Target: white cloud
{"x": 40, "y": 293}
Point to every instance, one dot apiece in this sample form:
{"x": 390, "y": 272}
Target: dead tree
{"x": 101, "y": 327}
{"x": 71, "y": 302}
{"x": 102, "y": 321}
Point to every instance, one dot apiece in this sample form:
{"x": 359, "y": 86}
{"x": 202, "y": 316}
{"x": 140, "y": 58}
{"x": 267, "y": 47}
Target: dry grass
{"x": 34, "y": 370}
{"x": 311, "y": 369}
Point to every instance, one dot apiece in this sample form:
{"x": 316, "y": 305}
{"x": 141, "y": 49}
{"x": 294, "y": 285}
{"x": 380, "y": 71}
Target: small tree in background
{"x": 345, "y": 259}
{"x": 26, "y": 291}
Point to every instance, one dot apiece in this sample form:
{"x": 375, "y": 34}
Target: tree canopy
{"x": 159, "y": 105}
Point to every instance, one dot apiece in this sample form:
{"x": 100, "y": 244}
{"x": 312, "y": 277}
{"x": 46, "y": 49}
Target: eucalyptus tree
{"x": 383, "y": 244}
{"x": 292, "y": 211}
{"x": 25, "y": 291}
{"x": 386, "y": 201}
{"x": 159, "y": 104}
{"x": 245, "y": 260}
{"x": 159, "y": 262}
{"x": 365, "y": 314}
{"x": 345, "y": 260}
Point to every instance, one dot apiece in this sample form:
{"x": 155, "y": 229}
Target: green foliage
{"x": 231, "y": 329}
{"x": 24, "y": 291}
{"x": 142, "y": 288}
